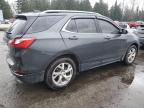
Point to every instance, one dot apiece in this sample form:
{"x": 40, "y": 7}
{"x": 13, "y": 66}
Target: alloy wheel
{"x": 62, "y": 74}
{"x": 131, "y": 55}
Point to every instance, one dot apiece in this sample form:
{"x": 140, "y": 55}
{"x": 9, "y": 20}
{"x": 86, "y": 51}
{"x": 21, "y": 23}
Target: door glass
{"x": 71, "y": 26}
{"x": 86, "y": 25}
{"x": 107, "y": 27}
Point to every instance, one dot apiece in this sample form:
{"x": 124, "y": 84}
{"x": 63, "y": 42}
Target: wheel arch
{"x": 136, "y": 44}
{"x": 68, "y": 55}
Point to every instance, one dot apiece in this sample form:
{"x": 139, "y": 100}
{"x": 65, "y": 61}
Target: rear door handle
{"x": 108, "y": 37}
{"x": 73, "y": 38}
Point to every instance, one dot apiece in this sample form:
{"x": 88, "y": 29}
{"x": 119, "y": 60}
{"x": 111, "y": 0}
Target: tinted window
{"x": 71, "y": 26}
{"x": 44, "y": 23}
{"x": 17, "y": 27}
{"x": 107, "y": 27}
{"x": 86, "y": 25}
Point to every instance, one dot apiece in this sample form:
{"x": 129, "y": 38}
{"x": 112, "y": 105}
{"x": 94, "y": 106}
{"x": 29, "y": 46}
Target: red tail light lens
{"x": 22, "y": 43}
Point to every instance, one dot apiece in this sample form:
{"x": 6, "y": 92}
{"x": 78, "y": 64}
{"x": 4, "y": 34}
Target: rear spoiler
{"x": 21, "y": 17}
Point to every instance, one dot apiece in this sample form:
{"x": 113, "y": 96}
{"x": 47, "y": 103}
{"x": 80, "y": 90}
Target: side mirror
{"x": 123, "y": 31}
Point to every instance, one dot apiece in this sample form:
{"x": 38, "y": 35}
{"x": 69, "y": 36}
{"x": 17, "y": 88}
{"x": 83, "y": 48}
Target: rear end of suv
{"x": 29, "y": 40}
{"x": 53, "y": 46}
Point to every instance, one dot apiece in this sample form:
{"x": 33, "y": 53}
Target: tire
{"x": 56, "y": 72}
{"x": 127, "y": 60}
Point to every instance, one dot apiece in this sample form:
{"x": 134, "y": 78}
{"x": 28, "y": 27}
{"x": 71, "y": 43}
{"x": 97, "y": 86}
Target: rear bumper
{"x": 33, "y": 77}
{"x": 30, "y": 78}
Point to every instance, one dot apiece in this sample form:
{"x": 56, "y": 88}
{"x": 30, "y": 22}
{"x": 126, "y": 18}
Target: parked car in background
{"x": 7, "y": 21}
{"x": 140, "y": 22}
{"x": 140, "y": 33}
{"x": 54, "y": 46}
{"x": 133, "y": 24}
{"x": 124, "y": 25}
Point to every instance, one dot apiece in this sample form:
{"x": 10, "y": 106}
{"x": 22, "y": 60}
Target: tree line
{"x": 5, "y": 7}
{"x": 118, "y": 12}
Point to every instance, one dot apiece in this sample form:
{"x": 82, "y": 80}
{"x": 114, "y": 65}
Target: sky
{"x": 139, "y": 3}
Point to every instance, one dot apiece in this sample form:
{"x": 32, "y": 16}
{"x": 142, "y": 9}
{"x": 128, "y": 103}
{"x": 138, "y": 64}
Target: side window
{"x": 107, "y": 27}
{"x": 71, "y": 26}
{"x": 86, "y": 25}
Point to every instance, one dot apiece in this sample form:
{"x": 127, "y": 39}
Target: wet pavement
{"x": 111, "y": 86}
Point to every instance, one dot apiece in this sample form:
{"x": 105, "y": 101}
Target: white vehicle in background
{"x": 1, "y": 17}
{"x": 140, "y": 33}
{"x": 125, "y": 25}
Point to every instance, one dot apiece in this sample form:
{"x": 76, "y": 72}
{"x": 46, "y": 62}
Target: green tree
{"x": 116, "y": 12}
{"x": 5, "y": 7}
{"x": 127, "y": 16}
{"x": 72, "y": 5}
{"x": 137, "y": 14}
{"x": 102, "y": 8}
{"x": 25, "y": 6}
{"x": 40, "y": 5}
{"x": 19, "y": 5}
{"x": 85, "y": 5}
{"x": 58, "y": 4}
{"x": 31, "y": 5}
{"x": 141, "y": 15}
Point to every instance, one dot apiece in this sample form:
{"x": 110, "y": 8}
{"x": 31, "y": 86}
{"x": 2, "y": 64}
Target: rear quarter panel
{"x": 43, "y": 50}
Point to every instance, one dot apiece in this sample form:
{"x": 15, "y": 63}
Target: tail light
{"x": 22, "y": 43}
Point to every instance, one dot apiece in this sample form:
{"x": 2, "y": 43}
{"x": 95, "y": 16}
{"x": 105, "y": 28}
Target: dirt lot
{"x": 111, "y": 86}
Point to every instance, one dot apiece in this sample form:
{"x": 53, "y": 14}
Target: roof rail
{"x": 67, "y": 11}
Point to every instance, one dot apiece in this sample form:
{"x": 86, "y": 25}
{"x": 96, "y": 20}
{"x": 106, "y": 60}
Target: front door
{"x": 114, "y": 41}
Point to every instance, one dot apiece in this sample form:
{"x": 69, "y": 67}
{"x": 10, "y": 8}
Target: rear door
{"x": 114, "y": 44}
{"x": 82, "y": 37}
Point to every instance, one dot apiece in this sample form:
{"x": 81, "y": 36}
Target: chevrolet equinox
{"x": 54, "y": 46}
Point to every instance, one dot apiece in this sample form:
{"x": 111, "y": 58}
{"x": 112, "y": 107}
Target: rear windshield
{"x": 44, "y": 23}
{"x": 17, "y": 27}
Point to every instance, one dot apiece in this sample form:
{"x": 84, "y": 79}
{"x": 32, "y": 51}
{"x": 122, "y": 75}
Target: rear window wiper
{"x": 8, "y": 32}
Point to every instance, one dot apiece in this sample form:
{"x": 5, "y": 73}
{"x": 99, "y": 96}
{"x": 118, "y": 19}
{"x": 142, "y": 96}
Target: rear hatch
{"x": 17, "y": 30}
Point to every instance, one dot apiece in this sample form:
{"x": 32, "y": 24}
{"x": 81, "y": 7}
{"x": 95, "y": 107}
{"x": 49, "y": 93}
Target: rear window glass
{"x": 44, "y": 23}
{"x": 17, "y": 27}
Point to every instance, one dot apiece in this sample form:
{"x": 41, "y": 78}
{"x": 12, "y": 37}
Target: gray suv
{"x": 54, "y": 46}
